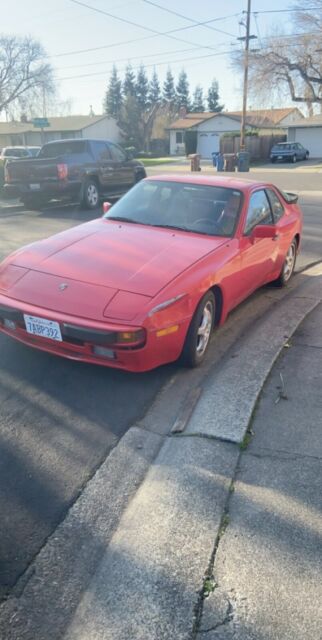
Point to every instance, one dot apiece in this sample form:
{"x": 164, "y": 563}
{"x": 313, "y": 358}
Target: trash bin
{"x": 194, "y": 162}
{"x": 220, "y": 162}
{"x": 214, "y": 158}
{"x": 243, "y": 158}
{"x": 229, "y": 162}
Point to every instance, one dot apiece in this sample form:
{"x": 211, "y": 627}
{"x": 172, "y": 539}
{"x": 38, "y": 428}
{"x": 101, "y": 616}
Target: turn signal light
{"x": 130, "y": 337}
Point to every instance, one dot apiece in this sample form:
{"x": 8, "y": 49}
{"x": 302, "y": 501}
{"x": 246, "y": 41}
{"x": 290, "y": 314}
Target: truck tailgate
{"x": 38, "y": 170}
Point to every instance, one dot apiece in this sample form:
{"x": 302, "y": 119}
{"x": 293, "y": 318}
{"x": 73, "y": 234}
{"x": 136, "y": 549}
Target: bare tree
{"x": 290, "y": 64}
{"x": 25, "y": 75}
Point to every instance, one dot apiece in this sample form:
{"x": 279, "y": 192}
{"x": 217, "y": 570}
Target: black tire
{"x": 195, "y": 346}
{"x": 288, "y": 265}
{"x": 90, "y": 194}
{"x": 139, "y": 175}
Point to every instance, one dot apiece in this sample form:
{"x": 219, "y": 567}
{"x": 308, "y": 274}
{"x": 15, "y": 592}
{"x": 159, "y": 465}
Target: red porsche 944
{"x": 148, "y": 281}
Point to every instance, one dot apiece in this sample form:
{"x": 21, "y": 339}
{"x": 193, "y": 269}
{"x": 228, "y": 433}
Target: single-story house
{"x": 309, "y": 133}
{"x": 24, "y": 133}
{"x": 211, "y": 126}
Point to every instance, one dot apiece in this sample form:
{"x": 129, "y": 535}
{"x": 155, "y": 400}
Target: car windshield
{"x": 211, "y": 210}
{"x": 68, "y": 147}
{"x": 283, "y": 145}
{"x": 18, "y": 153}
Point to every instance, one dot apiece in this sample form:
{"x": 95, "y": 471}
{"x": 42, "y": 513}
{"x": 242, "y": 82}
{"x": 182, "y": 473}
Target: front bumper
{"x": 80, "y": 336}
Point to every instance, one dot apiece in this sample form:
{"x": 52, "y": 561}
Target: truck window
{"x": 66, "y": 147}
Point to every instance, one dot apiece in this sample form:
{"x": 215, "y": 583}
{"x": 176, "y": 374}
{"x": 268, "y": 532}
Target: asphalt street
{"x": 60, "y": 419}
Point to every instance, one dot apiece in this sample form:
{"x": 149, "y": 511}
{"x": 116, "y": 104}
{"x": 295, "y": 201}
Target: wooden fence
{"x": 258, "y": 146}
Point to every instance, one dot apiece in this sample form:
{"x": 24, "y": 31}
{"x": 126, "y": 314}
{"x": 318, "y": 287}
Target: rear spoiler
{"x": 290, "y": 197}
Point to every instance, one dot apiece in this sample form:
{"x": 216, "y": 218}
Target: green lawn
{"x": 151, "y": 162}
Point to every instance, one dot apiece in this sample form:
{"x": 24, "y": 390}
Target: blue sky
{"x": 64, "y": 27}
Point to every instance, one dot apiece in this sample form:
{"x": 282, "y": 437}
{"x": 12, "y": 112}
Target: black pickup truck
{"x": 77, "y": 169}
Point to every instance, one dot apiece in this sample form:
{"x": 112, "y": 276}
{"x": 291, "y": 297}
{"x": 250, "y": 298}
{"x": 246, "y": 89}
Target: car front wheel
{"x": 199, "y": 332}
{"x": 294, "y": 158}
{"x": 288, "y": 265}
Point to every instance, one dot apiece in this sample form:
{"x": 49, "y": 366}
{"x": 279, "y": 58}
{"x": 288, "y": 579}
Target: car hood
{"x": 117, "y": 256}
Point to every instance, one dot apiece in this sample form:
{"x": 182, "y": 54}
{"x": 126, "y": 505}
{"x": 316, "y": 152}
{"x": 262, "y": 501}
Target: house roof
{"x": 314, "y": 121}
{"x": 274, "y": 115}
{"x": 64, "y": 123}
{"x": 257, "y": 118}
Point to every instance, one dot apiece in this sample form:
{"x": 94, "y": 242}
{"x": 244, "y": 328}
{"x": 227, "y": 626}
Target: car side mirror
{"x": 263, "y": 231}
{"x": 106, "y": 206}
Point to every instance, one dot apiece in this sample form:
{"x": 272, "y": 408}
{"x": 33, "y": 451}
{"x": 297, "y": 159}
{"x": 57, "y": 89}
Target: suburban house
{"x": 309, "y": 133}
{"x": 24, "y": 133}
{"x": 211, "y": 126}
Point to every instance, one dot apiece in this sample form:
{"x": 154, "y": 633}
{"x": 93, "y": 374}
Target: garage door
{"x": 311, "y": 139}
{"x": 207, "y": 144}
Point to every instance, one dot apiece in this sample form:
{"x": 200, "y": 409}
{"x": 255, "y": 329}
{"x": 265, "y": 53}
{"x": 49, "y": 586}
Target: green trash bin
{"x": 243, "y": 158}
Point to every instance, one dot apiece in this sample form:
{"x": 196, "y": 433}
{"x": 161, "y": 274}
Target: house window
{"x": 179, "y": 137}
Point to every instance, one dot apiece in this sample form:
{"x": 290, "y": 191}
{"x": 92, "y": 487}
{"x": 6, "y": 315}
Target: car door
{"x": 123, "y": 168}
{"x": 104, "y": 165}
{"x": 258, "y": 255}
{"x": 285, "y": 222}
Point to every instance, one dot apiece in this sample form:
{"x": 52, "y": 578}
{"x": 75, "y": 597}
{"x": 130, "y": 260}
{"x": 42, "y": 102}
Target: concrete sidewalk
{"x": 223, "y": 541}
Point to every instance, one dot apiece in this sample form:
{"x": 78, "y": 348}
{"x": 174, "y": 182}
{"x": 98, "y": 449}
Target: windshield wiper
{"x": 172, "y": 226}
{"x": 122, "y": 219}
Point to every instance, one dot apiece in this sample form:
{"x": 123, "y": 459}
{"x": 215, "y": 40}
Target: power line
{"x": 155, "y": 33}
{"x": 286, "y": 10}
{"x": 180, "y": 15}
{"x": 153, "y": 64}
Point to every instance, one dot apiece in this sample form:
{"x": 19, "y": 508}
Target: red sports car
{"x": 148, "y": 281}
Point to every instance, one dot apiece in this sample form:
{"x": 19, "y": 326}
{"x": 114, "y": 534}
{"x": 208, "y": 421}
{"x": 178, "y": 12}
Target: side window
{"x": 259, "y": 211}
{"x": 277, "y": 207}
{"x": 117, "y": 153}
{"x": 100, "y": 150}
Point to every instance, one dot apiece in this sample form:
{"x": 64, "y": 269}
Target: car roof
{"x": 244, "y": 185}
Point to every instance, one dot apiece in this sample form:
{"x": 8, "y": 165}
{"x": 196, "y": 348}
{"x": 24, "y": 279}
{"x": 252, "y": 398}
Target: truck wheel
{"x": 90, "y": 194}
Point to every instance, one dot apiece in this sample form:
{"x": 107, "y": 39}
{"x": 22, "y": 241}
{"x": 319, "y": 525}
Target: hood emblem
{"x": 62, "y": 286}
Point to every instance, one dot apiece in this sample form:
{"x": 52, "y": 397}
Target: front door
{"x": 258, "y": 255}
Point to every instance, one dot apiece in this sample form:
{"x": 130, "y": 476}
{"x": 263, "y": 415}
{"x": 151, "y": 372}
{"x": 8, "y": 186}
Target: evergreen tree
{"x": 142, "y": 88}
{"x": 169, "y": 94}
{"x": 198, "y": 104}
{"x": 129, "y": 122}
{"x": 213, "y": 98}
{"x": 129, "y": 81}
{"x": 113, "y": 97}
{"x": 182, "y": 91}
{"x": 154, "y": 89}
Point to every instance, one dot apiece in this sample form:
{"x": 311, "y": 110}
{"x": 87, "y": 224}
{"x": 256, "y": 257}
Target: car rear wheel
{"x": 288, "y": 265}
{"x": 90, "y": 196}
{"x": 199, "y": 332}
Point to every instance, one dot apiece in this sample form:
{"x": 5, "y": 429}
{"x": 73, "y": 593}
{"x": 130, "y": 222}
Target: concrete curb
{"x": 226, "y": 406}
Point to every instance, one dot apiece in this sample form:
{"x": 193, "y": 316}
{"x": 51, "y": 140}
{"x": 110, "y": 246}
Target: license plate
{"x": 43, "y": 328}
{"x": 34, "y": 187}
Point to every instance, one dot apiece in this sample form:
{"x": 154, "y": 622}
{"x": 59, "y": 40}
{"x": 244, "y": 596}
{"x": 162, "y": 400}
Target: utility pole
{"x": 247, "y": 38}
